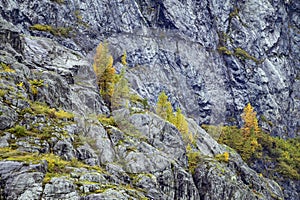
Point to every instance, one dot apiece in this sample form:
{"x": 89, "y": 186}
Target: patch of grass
{"x": 8, "y": 152}
{"x": 107, "y": 121}
{"x": 36, "y": 82}
{"x": 59, "y": 31}
{"x": 282, "y": 155}
{"x": 57, "y": 167}
{"x": 40, "y": 108}
{"x": 3, "y": 92}
{"x": 58, "y": 1}
{"x": 234, "y": 13}
{"x": 18, "y": 131}
{"x": 34, "y": 85}
{"x": 223, "y": 157}
{"x": 224, "y": 50}
{"x": 136, "y": 99}
{"x": 243, "y": 55}
{"x": 193, "y": 158}
{"x": 6, "y": 68}
{"x": 61, "y": 114}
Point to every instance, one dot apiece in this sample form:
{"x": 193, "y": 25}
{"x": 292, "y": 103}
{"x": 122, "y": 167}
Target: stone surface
{"x": 60, "y": 188}
{"x": 19, "y": 181}
{"x": 172, "y": 46}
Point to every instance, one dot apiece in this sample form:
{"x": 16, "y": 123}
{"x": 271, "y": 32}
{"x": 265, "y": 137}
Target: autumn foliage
{"x": 105, "y": 72}
{"x": 250, "y": 121}
{"x": 164, "y": 110}
{"x": 164, "y": 107}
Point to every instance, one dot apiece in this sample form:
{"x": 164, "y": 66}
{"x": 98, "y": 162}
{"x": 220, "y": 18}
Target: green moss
{"x": 283, "y": 154}
{"x": 59, "y": 31}
{"x": 57, "y": 167}
{"x": 224, "y": 50}
{"x": 107, "y": 121}
{"x": 34, "y": 85}
{"x": 61, "y": 114}
{"x": 243, "y": 55}
{"x": 222, "y": 157}
{"x": 78, "y": 15}
{"x": 131, "y": 148}
{"x": 6, "y": 68}
{"x": 18, "y": 131}
{"x": 234, "y": 13}
{"x": 40, "y": 108}
{"x": 41, "y": 27}
{"x": 193, "y": 158}
{"x": 136, "y": 99}
{"x": 36, "y": 82}
{"x": 3, "y": 92}
{"x": 59, "y": 1}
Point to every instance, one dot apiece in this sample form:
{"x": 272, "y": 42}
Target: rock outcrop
{"x": 210, "y": 57}
{"x": 219, "y": 54}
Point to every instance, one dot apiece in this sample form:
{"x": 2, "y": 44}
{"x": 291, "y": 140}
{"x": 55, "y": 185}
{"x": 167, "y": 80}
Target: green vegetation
{"x": 243, "y": 55}
{"x": 34, "y": 85}
{"x": 281, "y": 156}
{"x": 121, "y": 96}
{"x": 124, "y": 59}
{"x": 223, "y": 157}
{"x": 164, "y": 110}
{"x": 193, "y": 158}
{"x": 224, "y": 50}
{"x": 59, "y": 31}
{"x": 56, "y": 166}
{"x": 41, "y": 108}
{"x": 114, "y": 88}
{"x": 59, "y": 1}
{"x": 19, "y": 131}
{"x": 79, "y": 19}
{"x": 61, "y": 114}
{"x": 107, "y": 121}
{"x": 6, "y": 68}
{"x": 78, "y": 15}
{"x": 234, "y": 13}
{"x": 105, "y": 72}
{"x": 136, "y": 99}
{"x": 3, "y": 92}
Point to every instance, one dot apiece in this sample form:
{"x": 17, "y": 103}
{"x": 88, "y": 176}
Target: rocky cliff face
{"x": 210, "y": 57}
{"x": 219, "y": 54}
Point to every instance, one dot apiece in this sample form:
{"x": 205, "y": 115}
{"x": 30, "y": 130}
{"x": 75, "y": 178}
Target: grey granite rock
{"x": 60, "y": 188}
{"x": 172, "y": 46}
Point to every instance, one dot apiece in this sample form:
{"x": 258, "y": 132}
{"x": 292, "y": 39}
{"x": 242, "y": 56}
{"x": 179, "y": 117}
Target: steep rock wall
{"x": 178, "y": 42}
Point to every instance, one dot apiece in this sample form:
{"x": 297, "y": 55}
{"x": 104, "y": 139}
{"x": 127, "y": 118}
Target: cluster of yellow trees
{"x": 164, "y": 110}
{"x": 113, "y": 87}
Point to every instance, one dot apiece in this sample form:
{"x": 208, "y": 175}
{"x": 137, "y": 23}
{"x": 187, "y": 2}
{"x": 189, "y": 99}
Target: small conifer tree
{"x": 120, "y": 97}
{"x": 105, "y": 72}
{"x": 181, "y": 123}
{"x": 164, "y": 107}
{"x": 250, "y": 121}
{"x": 124, "y": 59}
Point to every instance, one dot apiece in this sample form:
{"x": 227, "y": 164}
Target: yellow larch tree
{"x": 164, "y": 107}
{"x": 180, "y": 122}
{"x": 250, "y": 121}
{"x": 105, "y": 72}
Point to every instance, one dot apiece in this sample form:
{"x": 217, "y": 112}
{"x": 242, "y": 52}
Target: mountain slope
{"x": 220, "y": 54}
{"x": 210, "y": 57}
